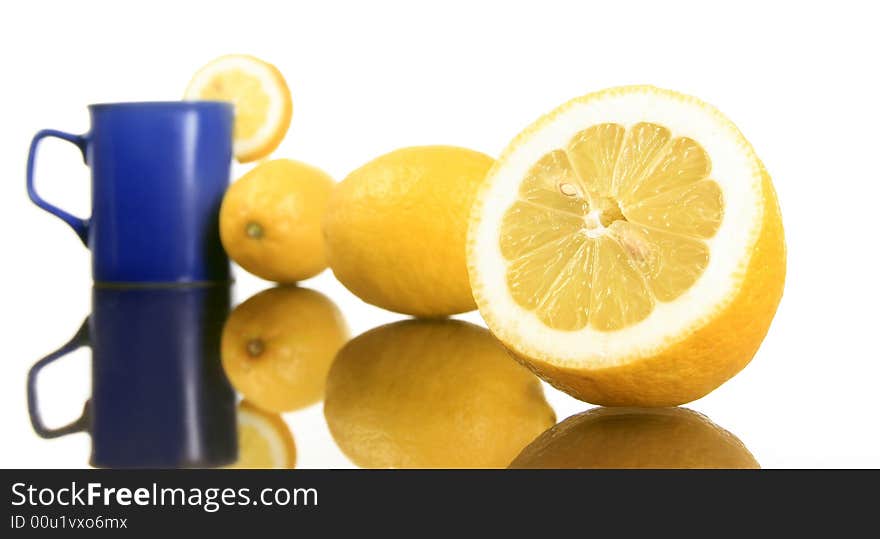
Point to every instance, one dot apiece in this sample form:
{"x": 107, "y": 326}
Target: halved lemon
{"x": 263, "y": 107}
{"x": 264, "y": 440}
{"x": 628, "y": 247}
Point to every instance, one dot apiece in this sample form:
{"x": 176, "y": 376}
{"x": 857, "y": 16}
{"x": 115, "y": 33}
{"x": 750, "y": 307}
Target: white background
{"x": 799, "y": 79}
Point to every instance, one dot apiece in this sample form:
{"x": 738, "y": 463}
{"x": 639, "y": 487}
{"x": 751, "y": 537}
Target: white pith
{"x": 734, "y": 167}
{"x": 267, "y": 432}
{"x": 593, "y": 226}
{"x": 269, "y": 84}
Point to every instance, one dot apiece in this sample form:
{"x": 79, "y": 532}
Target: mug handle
{"x": 80, "y": 226}
{"x": 82, "y": 423}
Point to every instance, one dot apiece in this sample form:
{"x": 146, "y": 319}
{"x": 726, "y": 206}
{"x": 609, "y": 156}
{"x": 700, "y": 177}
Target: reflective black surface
{"x": 159, "y": 396}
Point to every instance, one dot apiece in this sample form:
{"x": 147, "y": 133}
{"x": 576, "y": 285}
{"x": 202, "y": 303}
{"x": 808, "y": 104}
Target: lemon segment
{"x": 262, "y": 447}
{"x": 607, "y": 226}
{"x": 251, "y": 101}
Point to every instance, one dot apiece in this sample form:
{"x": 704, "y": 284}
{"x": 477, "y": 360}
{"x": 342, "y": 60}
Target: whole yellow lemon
{"x": 270, "y": 220}
{"x": 636, "y": 438}
{"x": 278, "y": 345}
{"x": 432, "y": 394}
{"x": 396, "y": 229}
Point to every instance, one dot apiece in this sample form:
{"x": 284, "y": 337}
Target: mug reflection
{"x": 159, "y": 396}
{"x": 432, "y": 394}
{"x": 636, "y": 438}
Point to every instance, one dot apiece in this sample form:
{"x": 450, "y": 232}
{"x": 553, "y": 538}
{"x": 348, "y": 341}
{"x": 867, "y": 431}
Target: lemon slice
{"x": 264, "y": 440}
{"x": 629, "y": 247}
{"x": 432, "y": 394}
{"x": 263, "y": 107}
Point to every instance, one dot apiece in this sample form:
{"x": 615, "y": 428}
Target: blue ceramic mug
{"x": 159, "y": 172}
{"x": 159, "y": 396}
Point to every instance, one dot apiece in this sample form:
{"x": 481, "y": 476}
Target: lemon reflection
{"x": 432, "y": 394}
{"x": 636, "y": 438}
{"x": 264, "y": 440}
{"x": 278, "y": 346}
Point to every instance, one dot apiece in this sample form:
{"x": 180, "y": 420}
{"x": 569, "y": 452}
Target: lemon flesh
{"x": 263, "y": 107}
{"x": 609, "y": 225}
{"x": 250, "y": 100}
{"x": 260, "y": 450}
{"x": 270, "y": 220}
{"x": 395, "y": 229}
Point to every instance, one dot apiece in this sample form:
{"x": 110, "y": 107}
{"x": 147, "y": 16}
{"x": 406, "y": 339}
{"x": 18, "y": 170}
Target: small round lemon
{"x": 270, "y": 220}
{"x": 396, "y": 229}
{"x": 636, "y": 438}
{"x": 277, "y": 347}
{"x": 432, "y": 394}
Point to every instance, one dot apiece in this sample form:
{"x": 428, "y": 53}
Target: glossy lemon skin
{"x": 270, "y": 220}
{"x": 396, "y": 229}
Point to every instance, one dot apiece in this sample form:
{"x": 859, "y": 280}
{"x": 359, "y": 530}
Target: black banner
{"x": 45, "y": 502}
